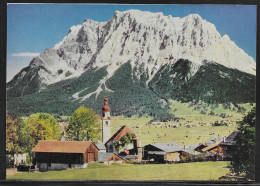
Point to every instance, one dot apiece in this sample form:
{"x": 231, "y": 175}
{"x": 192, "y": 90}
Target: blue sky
{"x": 31, "y": 28}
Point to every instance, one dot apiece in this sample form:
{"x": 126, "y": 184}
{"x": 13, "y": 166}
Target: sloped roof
{"x": 128, "y": 157}
{"x": 214, "y": 140}
{"x": 192, "y": 147}
{"x": 230, "y": 140}
{"x": 157, "y": 152}
{"x": 103, "y": 156}
{"x": 121, "y": 133}
{"x": 211, "y": 146}
{"x": 62, "y": 146}
{"x": 168, "y": 147}
{"x": 100, "y": 145}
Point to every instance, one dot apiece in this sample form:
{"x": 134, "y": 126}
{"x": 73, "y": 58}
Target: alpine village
{"x": 142, "y": 96}
{"x": 123, "y": 147}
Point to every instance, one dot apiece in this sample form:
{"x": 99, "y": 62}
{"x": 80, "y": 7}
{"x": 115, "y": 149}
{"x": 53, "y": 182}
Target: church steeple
{"x": 106, "y": 130}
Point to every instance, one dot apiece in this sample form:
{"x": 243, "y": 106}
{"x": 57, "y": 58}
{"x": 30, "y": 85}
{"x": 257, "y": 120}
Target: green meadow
{"x": 192, "y": 127}
{"x": 181, "y": 171}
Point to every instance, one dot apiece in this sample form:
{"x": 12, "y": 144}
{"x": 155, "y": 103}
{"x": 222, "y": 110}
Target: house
{"x": 19, "y": 158}
{"x": 169, "y": 152}
{"x": 214, "y": 151}
{"x": 108, "y": 158}
{"x": 214, "y": 148}
{"x": 161, "y": 152}
{"x": 228, "y": 144}
{"x": 16, "y": 159}
{"x": 123, "y": 131}
{"x": 58, "y": 155}
{"x": 200, "y": 147}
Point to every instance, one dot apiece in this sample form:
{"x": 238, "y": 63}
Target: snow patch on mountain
{"x": 149, "y": 40}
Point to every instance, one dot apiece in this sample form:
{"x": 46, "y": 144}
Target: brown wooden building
{"x": 123, "y": 131}
{"x": 58, "y": 155}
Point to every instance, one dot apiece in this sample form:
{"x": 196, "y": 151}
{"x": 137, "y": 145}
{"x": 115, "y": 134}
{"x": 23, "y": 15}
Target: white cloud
{"x": 25, "y": 54}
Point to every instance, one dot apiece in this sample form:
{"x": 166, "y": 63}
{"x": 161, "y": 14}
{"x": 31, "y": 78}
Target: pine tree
{"x": 243, "y": 154}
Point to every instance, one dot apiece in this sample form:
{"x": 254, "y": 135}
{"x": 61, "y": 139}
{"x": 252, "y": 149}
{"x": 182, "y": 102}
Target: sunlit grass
{"x": 180, "y": 171}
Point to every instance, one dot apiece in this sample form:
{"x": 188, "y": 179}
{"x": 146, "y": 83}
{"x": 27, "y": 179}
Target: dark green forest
{"x": 212, "y": 83}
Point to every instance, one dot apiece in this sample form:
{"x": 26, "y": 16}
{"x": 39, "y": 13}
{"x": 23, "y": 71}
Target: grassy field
{"x": 160, "y": 132}
{"x": 181, "y": 171}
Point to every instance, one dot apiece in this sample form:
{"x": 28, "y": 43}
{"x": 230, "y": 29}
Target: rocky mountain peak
{"x": 149, "y": 40}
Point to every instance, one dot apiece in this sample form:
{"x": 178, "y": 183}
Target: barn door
{"x": 43, "y": 167}
{"x": 91, "y": 156}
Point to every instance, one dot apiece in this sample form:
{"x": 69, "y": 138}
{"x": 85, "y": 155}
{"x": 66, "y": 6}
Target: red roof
{"x": 106, "y": 108}
{"x": 121, "y": 133}
{"x": 62, "y": 146}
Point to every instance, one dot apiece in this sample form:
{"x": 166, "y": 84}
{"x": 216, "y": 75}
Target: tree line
{"x": 23, "y": 134}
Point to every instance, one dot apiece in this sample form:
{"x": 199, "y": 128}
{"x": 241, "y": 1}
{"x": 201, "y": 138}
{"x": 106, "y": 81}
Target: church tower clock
{"x": 106, "y": 130}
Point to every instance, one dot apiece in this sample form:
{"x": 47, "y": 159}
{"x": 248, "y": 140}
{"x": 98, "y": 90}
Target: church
{"x": 109, "y": 142}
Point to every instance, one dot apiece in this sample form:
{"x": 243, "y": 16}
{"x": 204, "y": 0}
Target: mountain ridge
{"x": 150, "y": 46}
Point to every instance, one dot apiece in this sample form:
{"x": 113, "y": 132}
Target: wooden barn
{"x": 214, "y": 148}
{"x": 58, "y": 155}
{"x": 161, "y": 152}
{"x": 169, "y": 152}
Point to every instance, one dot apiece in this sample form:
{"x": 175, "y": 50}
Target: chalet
{"x": 169, "y": 152}
{"x": 214, "y": 148}
{"x": 200, "y": 147}
{"x": 108, "y": 158}
{"x": 123, "y": 131}
{"x": 58, "y": 155}
{"x": 161, "y": 152}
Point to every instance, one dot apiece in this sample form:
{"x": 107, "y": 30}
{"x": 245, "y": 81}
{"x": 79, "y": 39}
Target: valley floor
{"x": 196, "y": 171}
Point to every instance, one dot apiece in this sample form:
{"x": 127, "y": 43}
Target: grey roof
{"x": 157, "y": 152}
{"x": 168, "y": 147}
{"x": 100, "y": 145}
{"x": 193, "y": 146}
{"x": 128, "y": 157}
{"x": 102, "y": 156}
{"x": 213, "y": 140}
{"x": 230, "y": 140}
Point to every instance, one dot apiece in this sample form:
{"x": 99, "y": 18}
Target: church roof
{"x": 121, "y": 133}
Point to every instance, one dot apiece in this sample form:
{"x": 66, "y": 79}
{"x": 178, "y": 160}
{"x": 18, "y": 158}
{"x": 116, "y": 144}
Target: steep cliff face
{"x": 164, "y": 53}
